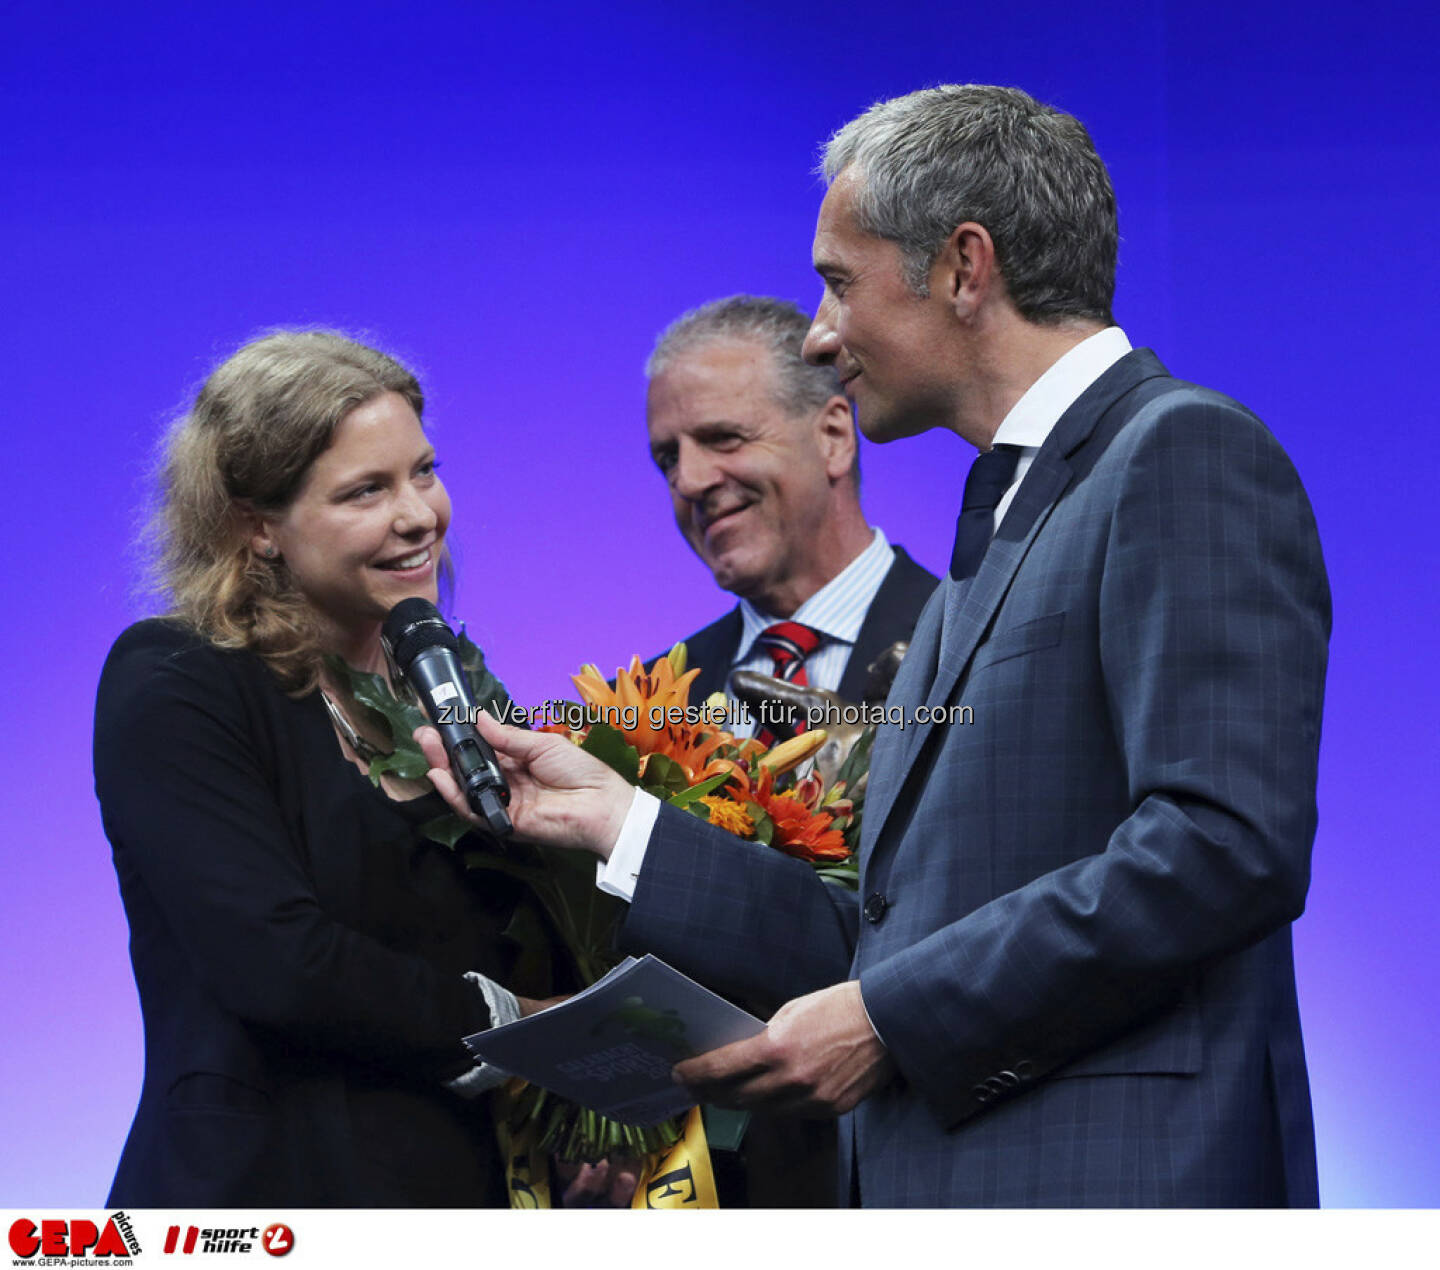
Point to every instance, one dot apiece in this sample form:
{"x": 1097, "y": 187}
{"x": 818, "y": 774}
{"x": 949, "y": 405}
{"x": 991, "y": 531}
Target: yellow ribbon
{"x": 680, "y": 1177}
{"x": 527, "y": 1170}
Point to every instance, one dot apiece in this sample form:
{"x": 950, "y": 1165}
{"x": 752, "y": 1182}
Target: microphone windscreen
{"x": 414, "y": 625}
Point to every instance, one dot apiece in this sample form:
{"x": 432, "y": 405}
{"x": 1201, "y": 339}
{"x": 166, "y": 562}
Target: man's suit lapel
{"x": 951, "y": 628}
{"x": 967, "y": 608}
{"x": 890, "y": 757}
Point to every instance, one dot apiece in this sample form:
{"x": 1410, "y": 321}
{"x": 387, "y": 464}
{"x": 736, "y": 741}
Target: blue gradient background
{"x": 517, "y": 199}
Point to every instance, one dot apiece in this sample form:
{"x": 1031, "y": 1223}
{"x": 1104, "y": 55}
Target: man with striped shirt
{"x": 760, "y": 454}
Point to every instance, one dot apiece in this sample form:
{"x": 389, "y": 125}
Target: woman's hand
{"x": 608, "y": 1184}
{"x": 559, "y": 795}
{"x": 529, "y": 1005}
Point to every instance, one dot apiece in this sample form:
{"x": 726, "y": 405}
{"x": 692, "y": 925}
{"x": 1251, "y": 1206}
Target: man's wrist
{"x": 865, "y": 1009}
{"x": 617, "y": 811}
{"x": 620, "y": 870}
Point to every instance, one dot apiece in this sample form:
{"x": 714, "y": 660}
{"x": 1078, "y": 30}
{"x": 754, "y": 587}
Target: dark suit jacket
{"x": 299, "y": 950}
{"x": 892, "y": 616}
{"x": 1075, "y": 937}
{"x": 786, "y": 1162}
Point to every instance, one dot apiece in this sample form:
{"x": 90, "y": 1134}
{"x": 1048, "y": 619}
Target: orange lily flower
{"x": 799, "y": 830}
{"x": 656, "y": 703}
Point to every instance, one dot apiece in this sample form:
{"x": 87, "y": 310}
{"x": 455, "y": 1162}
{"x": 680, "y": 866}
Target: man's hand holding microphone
{"x": 819, "y": 1055}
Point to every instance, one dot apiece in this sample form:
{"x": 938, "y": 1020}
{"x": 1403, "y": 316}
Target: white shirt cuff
{"x": 619, "y": 874}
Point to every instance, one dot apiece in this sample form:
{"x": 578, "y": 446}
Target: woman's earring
{"x": 270, "y": 553}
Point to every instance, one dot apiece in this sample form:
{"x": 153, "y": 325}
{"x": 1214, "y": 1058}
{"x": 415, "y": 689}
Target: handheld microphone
{"x": 428, "y": 655}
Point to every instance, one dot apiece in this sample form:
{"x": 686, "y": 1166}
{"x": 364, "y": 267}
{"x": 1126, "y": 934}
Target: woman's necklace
{"x": 363, "y": 749}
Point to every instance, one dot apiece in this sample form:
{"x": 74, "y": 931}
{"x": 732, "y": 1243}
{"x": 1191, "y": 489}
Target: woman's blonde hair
{"x": 261, "y": 419}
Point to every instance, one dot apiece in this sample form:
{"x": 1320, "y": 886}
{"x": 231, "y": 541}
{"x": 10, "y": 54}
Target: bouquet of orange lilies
{"x": 645, "y": 728}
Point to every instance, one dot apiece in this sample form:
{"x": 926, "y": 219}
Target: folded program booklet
{"x": 611, "y": 1047}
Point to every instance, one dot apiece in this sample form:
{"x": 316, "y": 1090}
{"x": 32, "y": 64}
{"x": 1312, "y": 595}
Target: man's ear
{"x": 835, "y": 431}
{"x": 965, "y": 273}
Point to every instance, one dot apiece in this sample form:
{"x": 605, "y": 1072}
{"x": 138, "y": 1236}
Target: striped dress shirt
{"x": 837, "y": 611}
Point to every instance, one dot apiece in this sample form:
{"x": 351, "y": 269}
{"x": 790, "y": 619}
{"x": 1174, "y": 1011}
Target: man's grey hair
{"x": 777, "y": 325}
{"x": 1028, "y": 173}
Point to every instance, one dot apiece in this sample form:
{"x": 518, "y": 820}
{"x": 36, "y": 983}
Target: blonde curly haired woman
{"x": 307, "y": 961}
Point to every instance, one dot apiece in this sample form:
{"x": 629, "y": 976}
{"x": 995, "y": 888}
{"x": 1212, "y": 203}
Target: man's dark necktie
{"x": 989, "y": 478}
{"x": 789, "y": 644}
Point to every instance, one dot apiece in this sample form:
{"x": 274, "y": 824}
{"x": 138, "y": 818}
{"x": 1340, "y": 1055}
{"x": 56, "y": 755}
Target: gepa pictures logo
{"x": 79, "y": 1237}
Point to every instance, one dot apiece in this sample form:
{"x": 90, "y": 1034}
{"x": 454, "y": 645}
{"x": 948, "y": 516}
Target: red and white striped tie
{"x": 789, "y": 644}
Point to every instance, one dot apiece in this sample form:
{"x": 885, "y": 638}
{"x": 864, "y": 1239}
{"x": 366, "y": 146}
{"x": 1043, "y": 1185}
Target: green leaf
{"x": 691, "y": 797}
{"x": 447, "y": 830}
{"x": 664, "y": 776}
{"x": 371, "y": 691}
{"x": 611, "y": 748}
{"x": 407, "y": 761}
{"x": 401, "y": 718}
{"x": 857, "y": 762}
{"x": 489, "y": 692}
{"x": 586, "y": 917}
{"x": 841, "y": 875}
{"x": 764, "y": 826}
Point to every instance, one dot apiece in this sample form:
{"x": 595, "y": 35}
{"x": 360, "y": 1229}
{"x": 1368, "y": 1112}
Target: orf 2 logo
{"x": 55, "y": 1237}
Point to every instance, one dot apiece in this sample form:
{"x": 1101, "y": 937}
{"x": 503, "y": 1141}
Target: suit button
{"x": 875, "y": 907}
{"x": 982, "y": 1095}
{"x": 1008, "y": 1079}
{"x": 1024, "y": 1069}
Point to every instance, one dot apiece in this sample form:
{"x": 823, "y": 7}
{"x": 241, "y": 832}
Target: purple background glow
{"x": 516, "y": 199}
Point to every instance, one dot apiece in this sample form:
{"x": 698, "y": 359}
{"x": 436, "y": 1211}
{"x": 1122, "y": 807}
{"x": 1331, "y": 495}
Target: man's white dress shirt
{"x": 836, "y": 611}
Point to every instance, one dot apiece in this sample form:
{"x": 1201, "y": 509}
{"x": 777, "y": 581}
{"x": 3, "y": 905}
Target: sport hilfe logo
{"x": 277, "y": 1239}
{"x": 80, "y": 1237}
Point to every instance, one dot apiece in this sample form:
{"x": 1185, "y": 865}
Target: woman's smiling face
{"x": 369, "y": 522}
